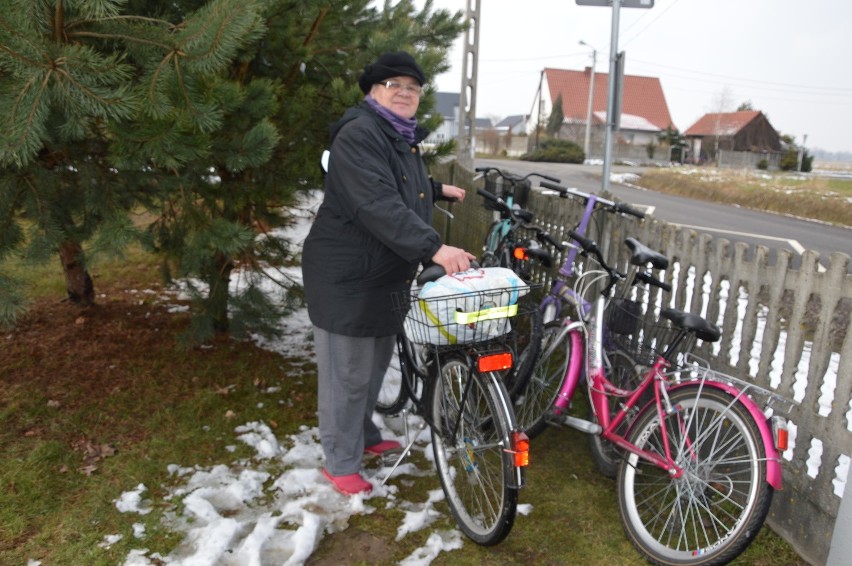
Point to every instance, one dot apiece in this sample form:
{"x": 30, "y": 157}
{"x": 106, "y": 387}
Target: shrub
{"x": 557, "y": 151}
{"x": 790, "y": 161}
{"x": 763, "y": 165}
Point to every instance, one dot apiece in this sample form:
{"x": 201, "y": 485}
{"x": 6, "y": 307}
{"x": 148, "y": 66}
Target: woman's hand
{"x": 453, "y": 192}
{"x": 452, "y": 259}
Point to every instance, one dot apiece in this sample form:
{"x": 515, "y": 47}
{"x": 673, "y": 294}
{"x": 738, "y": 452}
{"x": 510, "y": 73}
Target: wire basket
{"x": 637, "y": 329}
{"x": 473, "y": 317}
{"x": 497, "y": 186}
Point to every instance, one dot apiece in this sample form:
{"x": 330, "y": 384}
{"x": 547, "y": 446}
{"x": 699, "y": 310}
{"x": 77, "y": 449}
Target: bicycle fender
{"x": 773, "y": 459}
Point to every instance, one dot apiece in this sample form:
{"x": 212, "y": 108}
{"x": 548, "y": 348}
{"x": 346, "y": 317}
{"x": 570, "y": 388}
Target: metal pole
{"x": 591, "y": 98}
{"x": 467, "y": 106}
{"x": 610, "y": 101}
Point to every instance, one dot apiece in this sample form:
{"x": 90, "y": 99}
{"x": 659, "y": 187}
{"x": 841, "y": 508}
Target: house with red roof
{"x": 743, "y": 131}
{"x": 644, "y": 110}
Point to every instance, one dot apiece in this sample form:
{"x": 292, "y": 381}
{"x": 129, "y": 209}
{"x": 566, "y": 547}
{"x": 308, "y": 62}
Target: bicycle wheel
{"x": 715, "y": 509}
{"x": 470, "y": 431}
{"x": 528, "y": 332}
{"x": 623, "y": 372}
{"x": 535, "y": 403}
{"x": 400, "y": 383}
{"x": 490, "y": 245}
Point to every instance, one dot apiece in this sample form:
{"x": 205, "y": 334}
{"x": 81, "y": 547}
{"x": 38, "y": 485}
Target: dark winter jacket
{"x": 372, "y": 230}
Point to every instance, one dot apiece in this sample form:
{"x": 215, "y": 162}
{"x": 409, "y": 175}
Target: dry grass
{"x": 823, "y": 198}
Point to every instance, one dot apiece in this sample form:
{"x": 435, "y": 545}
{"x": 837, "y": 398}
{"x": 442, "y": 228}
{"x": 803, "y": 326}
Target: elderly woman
{"x": 372, "y": 231}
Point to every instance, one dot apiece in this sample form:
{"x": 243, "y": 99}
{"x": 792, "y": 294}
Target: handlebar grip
{"x": 547, "y": 238}
{"x": 585, "y": 243}
{"x": 490, "y": 196}
{"x": 627, "y": 209}
{"x": 434, "y": 271}
{"x": 649, "y": 279}
{"x": 549, "y": 178}
{"x": 553, "y": 186}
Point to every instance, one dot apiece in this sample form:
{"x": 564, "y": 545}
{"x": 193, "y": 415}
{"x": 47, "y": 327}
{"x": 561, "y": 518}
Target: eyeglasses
{"x": 395, "y": 86}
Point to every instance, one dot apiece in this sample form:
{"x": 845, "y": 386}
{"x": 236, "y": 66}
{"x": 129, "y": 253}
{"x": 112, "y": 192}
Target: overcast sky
{"x": 790, "y": 59}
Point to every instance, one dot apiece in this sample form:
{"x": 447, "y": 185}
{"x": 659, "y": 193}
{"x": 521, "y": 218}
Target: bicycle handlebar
{"x": 612, "y": 206}
{"x": 649, "y": 279}
{"x": 515, "y": 178}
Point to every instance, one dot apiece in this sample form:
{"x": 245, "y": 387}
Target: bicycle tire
{"x": 400, "y": 384}
{"x": 715, "y": 509}
{"x": 528, "y": 332}
{"x": 622, "y": 372}
{"x": 535, "y": 404}
{"x": 470, "y": 432}
{"x": 491, "y": 244}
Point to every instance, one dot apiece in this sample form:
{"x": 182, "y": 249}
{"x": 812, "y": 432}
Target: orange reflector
{"x": 494, "y": 362}
{"x": 520, "y": 253}
{"x": 521, "y": 443}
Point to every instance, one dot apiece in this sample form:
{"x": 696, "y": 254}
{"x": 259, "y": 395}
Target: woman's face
{"x": 400, "y": 95}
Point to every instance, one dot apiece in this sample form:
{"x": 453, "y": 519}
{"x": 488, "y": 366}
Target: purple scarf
{"x": 403, "y": 126}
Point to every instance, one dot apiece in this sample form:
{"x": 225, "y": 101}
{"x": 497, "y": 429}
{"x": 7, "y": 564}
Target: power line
{"x": 837, "y": 90}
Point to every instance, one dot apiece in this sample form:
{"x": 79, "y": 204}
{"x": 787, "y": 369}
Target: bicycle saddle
{"x": 703, "y": 328}
{"x": 643, "y": 255}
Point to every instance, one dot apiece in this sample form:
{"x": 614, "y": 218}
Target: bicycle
{"x": 507, "y": 200}
{"x": 457, "y": 388}
{"x": 701, "y": 458}
{"x": 532, "y": 406}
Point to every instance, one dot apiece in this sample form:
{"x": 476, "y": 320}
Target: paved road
{"x": 734, "y": 223}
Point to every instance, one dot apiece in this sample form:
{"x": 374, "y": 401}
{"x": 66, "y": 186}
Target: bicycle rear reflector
{"x": 494, "y": 362}
{"x": 521, "y": 448}
{"x": 779, "y": 432}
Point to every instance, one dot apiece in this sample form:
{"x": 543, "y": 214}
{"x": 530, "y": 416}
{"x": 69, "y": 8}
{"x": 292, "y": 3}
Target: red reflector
{"x": 494, "y": 362}
{"x": 521, "y": 443}
{"x": 781, "y": 441}
{"x": 779, "y": 431}
{"x": 520, "y": 253}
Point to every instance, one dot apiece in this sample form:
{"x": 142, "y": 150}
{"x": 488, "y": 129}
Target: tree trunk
{"x": 219, "y": 292}
{"x": 78, "y": 283}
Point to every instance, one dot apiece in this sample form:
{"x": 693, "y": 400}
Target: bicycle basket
{"x": 637, "y": 329}
{"x": 438, "y": 316}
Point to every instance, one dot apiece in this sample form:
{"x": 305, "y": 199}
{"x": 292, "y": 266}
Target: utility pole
{"x": 801, "y": 153}
{"x": 591, "y": 98}
{"x": 467, "y": 97}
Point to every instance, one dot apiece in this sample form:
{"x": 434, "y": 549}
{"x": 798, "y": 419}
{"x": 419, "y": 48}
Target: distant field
{"x": 820, "y": 197}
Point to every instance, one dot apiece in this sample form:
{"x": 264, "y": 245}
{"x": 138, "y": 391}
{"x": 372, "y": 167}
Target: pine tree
{"x": 554, "y": 122}
{"x": 215, "y": 115}
{"x": 58, "y": 92}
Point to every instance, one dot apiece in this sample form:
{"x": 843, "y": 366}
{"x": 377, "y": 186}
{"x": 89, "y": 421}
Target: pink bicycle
{"x": 699, "y": 455}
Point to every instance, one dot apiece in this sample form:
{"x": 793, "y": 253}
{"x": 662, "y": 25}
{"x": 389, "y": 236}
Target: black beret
{"x": 396, "y": 64}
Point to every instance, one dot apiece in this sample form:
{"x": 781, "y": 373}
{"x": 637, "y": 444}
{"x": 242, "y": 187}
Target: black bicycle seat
{"x": 703, "y": 328}
{"x": 642, "y": 254}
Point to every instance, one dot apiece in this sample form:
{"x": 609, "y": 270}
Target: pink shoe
{"x": 382, "y": 447}
{"x": 351, "y": 484}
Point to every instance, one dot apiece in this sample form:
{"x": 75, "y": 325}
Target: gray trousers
{"x": 350, "y": 374}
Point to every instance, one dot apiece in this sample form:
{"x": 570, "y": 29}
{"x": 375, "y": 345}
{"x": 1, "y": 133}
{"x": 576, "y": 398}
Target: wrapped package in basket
{"x": 470, "y": 306}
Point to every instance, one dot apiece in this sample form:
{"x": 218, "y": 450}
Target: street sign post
{"x": 613, "y": 79}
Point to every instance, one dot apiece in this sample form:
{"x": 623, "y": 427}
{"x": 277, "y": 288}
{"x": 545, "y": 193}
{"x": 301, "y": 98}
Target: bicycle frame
{"x": 587, "y": 339}
{"x": 561, "y": 293}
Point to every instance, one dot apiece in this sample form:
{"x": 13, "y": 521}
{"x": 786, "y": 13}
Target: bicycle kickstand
{"x": 409, "y": 443}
